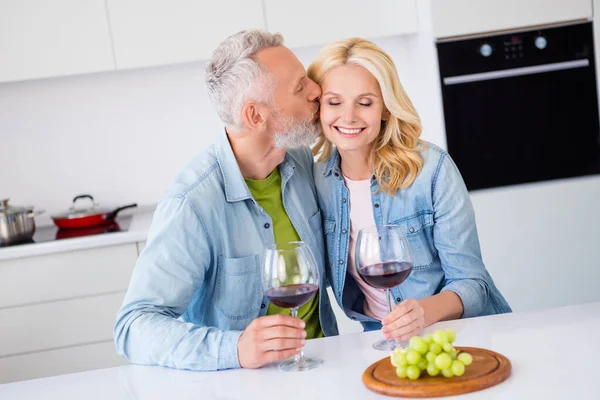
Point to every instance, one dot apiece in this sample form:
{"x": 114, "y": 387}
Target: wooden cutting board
{"x": 488, "y": 369}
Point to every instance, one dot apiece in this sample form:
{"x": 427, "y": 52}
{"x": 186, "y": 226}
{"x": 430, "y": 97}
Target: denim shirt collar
{"x": 235, "y": 185}
{"x": 333, "y": 164}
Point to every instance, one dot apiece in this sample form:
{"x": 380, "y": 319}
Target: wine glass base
{"x": 303, "y": 365}
{"x": 388, "y": 345}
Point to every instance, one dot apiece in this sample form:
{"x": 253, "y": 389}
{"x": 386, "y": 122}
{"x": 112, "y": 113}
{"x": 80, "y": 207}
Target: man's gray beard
{"x": 297, "y": 132}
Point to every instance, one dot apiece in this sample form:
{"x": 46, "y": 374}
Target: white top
{"x": 361, "y": 216}
{"x": 533, "y": 342}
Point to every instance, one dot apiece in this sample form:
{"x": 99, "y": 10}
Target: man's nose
{"x": 314, "y": 91}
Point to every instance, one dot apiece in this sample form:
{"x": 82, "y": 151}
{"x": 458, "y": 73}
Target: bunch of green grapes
{"x": 432, "y": 353}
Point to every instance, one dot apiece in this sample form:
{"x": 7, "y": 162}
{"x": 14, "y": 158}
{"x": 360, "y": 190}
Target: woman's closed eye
{"x": 333, "y": 103}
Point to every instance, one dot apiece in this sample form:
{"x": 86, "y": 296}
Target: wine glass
{"x": 290, "y": 278}
{"x": 383, "y": 260}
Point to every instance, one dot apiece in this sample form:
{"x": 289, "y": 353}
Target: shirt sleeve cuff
{"x": 228, "y": 350}
{"x": 473, "y": 297}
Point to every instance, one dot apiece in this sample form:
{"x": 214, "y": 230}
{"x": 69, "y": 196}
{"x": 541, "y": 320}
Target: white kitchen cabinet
{"x": 40, "y": 38}
{"x": 58, "y": 362}
{"x": 466, "y": 17}
{"x": 317, "y": 22}
{"x": 57, "y": 311}
{"x": 66, "y": 275}
{"x": 58, "y": 324}
{"x": 157, "y": 32}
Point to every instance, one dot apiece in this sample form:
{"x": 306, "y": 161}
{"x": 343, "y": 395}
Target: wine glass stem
{"x": 388, "y": 295}
{"x": 300, "y": 356}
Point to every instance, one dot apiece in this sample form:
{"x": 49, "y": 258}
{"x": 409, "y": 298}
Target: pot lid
{"x": 83, "y": 206}
{"x": 7, "y": 210}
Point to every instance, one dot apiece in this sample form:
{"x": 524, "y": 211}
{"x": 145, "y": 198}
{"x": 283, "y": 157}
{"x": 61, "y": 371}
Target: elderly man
{"x": 195, "y": 299}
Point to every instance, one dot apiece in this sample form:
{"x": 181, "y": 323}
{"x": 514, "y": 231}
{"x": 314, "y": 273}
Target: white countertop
{"x": 136, "y": 232}
{"x": 554, "y": 355}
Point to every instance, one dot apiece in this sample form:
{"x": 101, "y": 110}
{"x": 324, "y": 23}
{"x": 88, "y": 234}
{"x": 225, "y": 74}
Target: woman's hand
{"x": 406, "y": 320}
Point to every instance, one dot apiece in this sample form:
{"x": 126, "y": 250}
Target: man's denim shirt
{"x": 438, "y": 219}
{"x": 196, "y": 285}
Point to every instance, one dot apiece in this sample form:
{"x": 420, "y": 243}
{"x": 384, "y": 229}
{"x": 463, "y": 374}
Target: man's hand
{"x": 269, "y": 339}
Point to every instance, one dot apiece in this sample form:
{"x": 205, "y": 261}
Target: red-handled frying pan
{"x": 85, "y": 217}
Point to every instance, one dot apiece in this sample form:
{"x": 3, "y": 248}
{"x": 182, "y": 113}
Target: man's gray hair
{"x": 234, "y": 77}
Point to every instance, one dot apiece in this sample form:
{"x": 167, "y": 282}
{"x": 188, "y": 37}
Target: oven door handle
{"x": 508, "y": 73}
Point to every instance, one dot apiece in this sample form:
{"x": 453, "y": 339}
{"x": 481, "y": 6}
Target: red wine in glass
{"x": 290, "y": 278}
{"x": 385, "y": 275}
{"x": 292, "y": 296}
{"x": 383, "y": 260}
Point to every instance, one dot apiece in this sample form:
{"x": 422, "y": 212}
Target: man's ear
{"x": 252, "y": 114}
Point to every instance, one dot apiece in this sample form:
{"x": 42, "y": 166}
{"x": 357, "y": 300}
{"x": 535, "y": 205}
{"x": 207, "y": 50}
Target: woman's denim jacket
{"x": 438, "y": 219}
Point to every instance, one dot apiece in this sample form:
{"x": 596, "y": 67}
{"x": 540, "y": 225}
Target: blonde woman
{"x": 374, "y": 170}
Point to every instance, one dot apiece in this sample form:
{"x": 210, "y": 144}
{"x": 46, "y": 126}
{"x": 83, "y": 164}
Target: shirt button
{"x": 341, "y": 262}
{"x": 267, "y": 225}
{"x": 336, "y": 174}
{"x": 339, "y": 294}
{"x": 398, "y": 299}
{"x": 354, "y": 318}
{"x": 411, "y": 230}
{"x": 344, "y": 231}
{"x": 262, "y": 305}
{"x": 376, "y": 205}
{"x": 343, "y": 200}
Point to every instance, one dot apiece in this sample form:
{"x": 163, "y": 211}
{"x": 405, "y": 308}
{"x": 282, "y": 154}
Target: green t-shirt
{"x": 267, "y": 192}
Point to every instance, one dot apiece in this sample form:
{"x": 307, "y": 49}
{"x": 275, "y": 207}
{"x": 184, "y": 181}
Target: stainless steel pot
{"x": 17, "y": 224}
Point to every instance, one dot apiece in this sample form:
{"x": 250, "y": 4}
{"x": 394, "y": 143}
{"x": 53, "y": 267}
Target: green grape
{"x": 451, "y": 335}
{"x": 399, "y": 359}
{"x": 401, "y": 372}
{"x": 447, "y": 347}
{"x": 417, "y": 344}
{"x": 432, "y": 370}
{"x": 465, "y": 358}
{"x": 430, "y": 357}
{"x": 422, "y": 364}
{"x": 447, "y": 373}
{"x": 440, "y": 337}
{"x": 443, "y": 361}
{"x": 413, "y": 372}
{"x": 435, "y": 348}
{"x": 427, "y": 338}
{"x": 458, "y": 368}
{"x": 454, "y": 354}
{"x": 413, "y": 357}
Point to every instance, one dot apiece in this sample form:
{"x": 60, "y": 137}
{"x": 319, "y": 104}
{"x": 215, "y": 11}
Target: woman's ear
{"x": 385, "y": 115}
{"x": 252, "y": 115}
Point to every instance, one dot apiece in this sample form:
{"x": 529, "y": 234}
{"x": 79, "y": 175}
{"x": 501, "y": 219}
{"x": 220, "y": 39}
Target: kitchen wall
{"x": 123, "y": 136}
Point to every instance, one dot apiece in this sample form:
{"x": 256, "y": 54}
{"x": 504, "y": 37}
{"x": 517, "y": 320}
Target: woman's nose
{"x": 349, "y": 114}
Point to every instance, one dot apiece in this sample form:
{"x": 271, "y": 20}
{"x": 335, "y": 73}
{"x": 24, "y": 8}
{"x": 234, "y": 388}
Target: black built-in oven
{"x": 521, "y": 106}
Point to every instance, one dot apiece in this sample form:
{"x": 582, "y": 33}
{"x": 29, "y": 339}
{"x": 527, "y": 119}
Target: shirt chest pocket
{"x": 238, "y": 289}
{"x": 418, "y": 232}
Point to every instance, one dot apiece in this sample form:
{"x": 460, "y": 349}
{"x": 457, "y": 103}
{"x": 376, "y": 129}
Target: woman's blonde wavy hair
{"x": 396, "y": 159}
